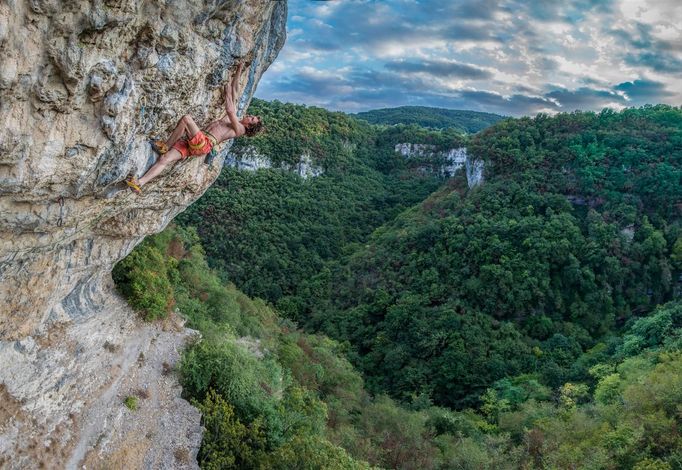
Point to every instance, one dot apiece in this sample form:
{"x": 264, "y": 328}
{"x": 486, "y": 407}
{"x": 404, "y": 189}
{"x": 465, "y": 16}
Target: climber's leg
{"x": 186, "y": 125}
{"x": 173, "y": 155}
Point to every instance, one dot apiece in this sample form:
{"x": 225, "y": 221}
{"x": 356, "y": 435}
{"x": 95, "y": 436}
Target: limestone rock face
{"x": 249, "y": 159}
{"x": 83, "y": 84}
{"x": 447, "y": 162}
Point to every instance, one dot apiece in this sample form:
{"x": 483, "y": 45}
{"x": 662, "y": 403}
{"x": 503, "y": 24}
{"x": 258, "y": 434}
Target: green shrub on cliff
{"x": 143, "y": 277}
{"x": 251, "y": 386}
{"x": 227, "y": 442}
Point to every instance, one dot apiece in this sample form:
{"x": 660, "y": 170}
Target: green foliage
{"x": 400, "y": 436}
{"x": 632, "y": 419}
{"x": 661, "y": 327}
{"x": 439, "y": 118}
{"x": 275, "y": 397}
{"x": 227, "y": 443}
{"x": 608, "y": 390}
{"x": 251, "y": 386}
{"x": 142, "y": 278}
{"x": 571, "y": 394}
{"x": 130, "y": 402}
{"x": 509, "y": 393}
{"x": 652, "y": 464}
{"x": 676, "y": 255}
{"x": 312, "y": 452}
{"x": 571, "y": 235}
{"x": 533, "y": 307}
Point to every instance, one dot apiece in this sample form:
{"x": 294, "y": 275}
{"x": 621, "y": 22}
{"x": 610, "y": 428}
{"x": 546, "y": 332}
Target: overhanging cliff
{"x": 83, "y": 84}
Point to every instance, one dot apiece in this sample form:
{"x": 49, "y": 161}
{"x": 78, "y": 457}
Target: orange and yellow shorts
{"x": 199, "y": 145}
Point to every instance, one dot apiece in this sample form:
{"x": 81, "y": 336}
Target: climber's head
{"x": 253, "y": 125}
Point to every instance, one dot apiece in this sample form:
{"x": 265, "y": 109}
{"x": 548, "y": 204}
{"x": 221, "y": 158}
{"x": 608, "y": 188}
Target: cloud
{"x": 648, "y": 48}
{"x": 643, "y": 91}
{"x": 323, "y": 45}
{"x": 507, "y": 56}
{"x": 658, "y": 61}
{"x": 512, "y": 104}
{"x": 584, "y": 98}
{"x": 440, "y": 68}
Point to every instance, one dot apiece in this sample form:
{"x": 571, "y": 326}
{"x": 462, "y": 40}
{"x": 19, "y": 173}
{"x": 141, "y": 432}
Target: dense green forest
{"x": 274, "y": 397}
{"x": 409, "y": 322}
{"x": 437, "y": 118}
{"x": 575, "y": 231}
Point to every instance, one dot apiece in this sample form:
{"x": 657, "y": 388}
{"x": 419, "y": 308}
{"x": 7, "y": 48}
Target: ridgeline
{"x": 468, "y": 122}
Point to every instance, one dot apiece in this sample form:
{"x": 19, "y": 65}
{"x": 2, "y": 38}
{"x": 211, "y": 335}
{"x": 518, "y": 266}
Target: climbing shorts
{"x": 199, "y": 145}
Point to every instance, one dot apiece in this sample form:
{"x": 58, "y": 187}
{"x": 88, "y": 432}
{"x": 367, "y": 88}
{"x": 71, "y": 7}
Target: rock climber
{"x": 187, "y": 140}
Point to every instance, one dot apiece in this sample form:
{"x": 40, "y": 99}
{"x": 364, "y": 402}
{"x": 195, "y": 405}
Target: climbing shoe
{"x": 134, "y": 185}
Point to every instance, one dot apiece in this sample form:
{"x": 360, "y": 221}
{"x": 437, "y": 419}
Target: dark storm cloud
{"x": 439, "y": 68}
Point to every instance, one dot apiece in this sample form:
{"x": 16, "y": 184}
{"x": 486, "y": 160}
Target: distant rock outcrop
{"x": 447, "y": 162}
{"x": 83, "y": 84}
{"x": 249, "y": 159}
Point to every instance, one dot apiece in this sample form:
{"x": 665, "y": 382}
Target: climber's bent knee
{"x": 173, "y": 155}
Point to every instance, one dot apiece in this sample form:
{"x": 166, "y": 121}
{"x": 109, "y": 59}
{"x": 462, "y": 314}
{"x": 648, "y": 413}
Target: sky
{"x": 510, "y": 57}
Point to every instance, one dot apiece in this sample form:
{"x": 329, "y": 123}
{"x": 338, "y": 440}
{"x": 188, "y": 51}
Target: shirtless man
{"x": 187, "y": 140}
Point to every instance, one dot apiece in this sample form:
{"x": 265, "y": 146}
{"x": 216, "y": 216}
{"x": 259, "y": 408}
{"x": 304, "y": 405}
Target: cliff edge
{"x": 83, "y": 84}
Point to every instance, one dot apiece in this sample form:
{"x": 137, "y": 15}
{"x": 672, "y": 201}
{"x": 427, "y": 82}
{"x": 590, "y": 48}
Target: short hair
{"x": 254, "y": 129}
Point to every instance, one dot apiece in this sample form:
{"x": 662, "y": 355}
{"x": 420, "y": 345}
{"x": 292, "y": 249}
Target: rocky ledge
{"x": 83, "y": 84}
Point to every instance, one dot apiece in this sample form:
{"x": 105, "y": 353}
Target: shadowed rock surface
{"x": 83, "y": 84}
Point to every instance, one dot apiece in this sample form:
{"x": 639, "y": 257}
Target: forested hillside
{"x": 575, "y": 232}
{"x": 269, "y": 230}
{"x": 438, "y": 118}
{"x": 530, "y": 322}
{"x": 274, "y": 397}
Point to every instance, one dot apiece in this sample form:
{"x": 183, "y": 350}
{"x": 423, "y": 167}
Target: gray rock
{"x": 447, "y": 162}
{"x": 82, "y": 87}
{"x": 249, "y": 159}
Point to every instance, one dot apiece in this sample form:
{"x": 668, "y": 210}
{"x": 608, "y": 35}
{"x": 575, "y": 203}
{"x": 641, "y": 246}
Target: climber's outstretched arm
{"x": 235, "y": 81}
{"x": 231, "y": 111}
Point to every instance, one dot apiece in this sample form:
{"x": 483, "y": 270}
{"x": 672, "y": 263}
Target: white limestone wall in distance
{"x": 448, "y": 161}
